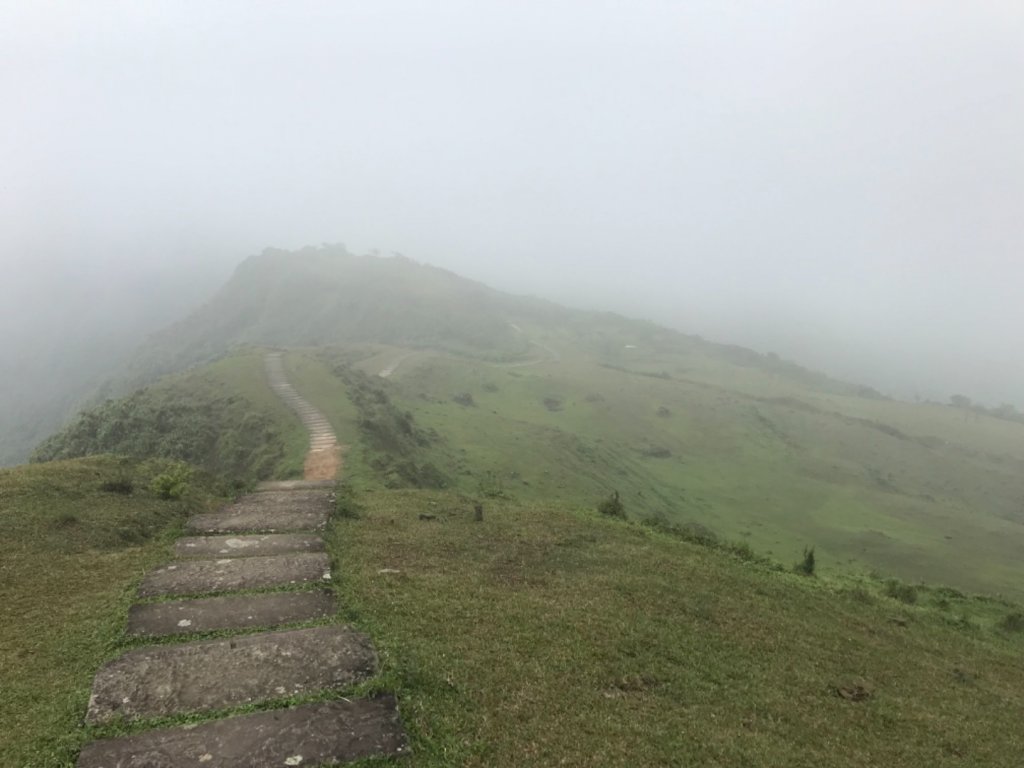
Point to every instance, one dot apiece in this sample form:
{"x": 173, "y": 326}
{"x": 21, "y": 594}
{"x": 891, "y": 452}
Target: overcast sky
{"x": 840, "y": 182}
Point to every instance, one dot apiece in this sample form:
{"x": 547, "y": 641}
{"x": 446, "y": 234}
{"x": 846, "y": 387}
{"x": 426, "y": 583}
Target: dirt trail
{"x": 324, "y": 460}
{"x": 391, "y": 367}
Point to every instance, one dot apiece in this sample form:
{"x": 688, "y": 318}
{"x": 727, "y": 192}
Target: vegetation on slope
{"x": 324, "y": 296}
{"x": 550, "y": 636}
{"x": 913, "y": 491}
{"x": 75, "y": 538}
{"x": 222, "y": 417}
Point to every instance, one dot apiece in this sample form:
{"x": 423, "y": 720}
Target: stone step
{"x": 268, "y": 512}
{"x": 294, "y": 485}
{"x": 229, "y": 574}
{"x": 247, "y": 546}
{"x": 166, "y": 680}
{"x": 326, "y": 733}
{"x": 182, "y": 617}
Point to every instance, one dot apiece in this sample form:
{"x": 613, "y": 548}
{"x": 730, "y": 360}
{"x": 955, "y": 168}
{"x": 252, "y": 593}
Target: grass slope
{"x": 916, "y": 491}
{"x": 547, "y": 636}
{"x": 75, "y": 539}
{"x": 222, "y": 417}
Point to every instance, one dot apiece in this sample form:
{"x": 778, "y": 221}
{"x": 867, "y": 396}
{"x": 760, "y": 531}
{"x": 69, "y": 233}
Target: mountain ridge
{"x": 327, "y": 296}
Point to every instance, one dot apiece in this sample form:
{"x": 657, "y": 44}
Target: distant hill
{"x": 326, "y": 296}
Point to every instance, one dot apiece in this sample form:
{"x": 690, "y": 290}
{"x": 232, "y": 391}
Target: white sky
{"x": 842, "y": 183}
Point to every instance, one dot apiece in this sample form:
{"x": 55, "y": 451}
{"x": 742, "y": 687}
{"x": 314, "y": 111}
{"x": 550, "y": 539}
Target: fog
{"x": 841, "y": 183}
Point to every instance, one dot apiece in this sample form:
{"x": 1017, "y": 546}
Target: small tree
{"x": 612, "y": 506}
{"x": 806, "y": 565}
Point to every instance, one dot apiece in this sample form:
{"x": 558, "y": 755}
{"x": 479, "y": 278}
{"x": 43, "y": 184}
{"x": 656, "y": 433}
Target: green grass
{"x": 222, "y": 417}
{"x": 311, "y": 376}
{"x": 71, "y": 555}
{"x": 914, "y": 491}
{"x": 549, "y": 636}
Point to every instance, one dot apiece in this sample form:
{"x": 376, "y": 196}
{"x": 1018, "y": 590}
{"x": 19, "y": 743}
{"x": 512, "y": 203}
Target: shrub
{"x": 173, "y": 483}
{"x": 897, "y": 590}
{"x": 464, "y": 398}
{"x": 806, "y": 565}
{"x": 553, "y": 404}
{"x": 491, "y": 486}
{"x": 664, "y": 412}
{"x": 612, "y": 506}
{"x": 1013, "y": 622}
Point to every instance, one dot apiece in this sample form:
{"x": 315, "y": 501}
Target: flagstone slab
{"x": 181, "y": 617}
{"x": 268, "y": 512}
{"x": 310, "y": 735}
{"x": 230, "y": 574}
{"x": 247, "y": 545}
{"x": 166, "y": 680}
{"x": 294, "y": 485}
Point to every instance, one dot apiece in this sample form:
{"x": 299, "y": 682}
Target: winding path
{"x": 256, "y": 573}
{"x": 323, "y": 462}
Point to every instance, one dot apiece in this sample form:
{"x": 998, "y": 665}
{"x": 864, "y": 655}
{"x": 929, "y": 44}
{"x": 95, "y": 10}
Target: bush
{"x": 464, "y": 398}
{"x": 806, "y": 565}
{"x": 612, "y": 506}
{"x": 491, "y": 486}
{"x": 1013, "y": 622}
{"x": 897, "y": 590}
{"x": 172, "y": 484}
{"x": 664, "y": 412}
{"x": 553, "y": 404}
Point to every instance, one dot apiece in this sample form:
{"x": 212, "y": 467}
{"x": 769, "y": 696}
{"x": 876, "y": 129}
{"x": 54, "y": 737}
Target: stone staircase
{"x": 324, "y": 458}
{"x": 256, "y": 564}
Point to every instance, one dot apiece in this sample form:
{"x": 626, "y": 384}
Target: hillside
{"x": 734, "y": 454}
{"x": 549, "y": 633}
{"x": 75, "y": 536}
{"x": 489, "y": 394}
{"x": 326, "y": 296}
{"x": 543, "y": 635}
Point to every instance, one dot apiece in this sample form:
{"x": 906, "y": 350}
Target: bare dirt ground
{"x": 323, "y": 463}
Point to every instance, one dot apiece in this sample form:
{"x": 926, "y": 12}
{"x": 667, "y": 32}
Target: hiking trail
{"x": 258, "y": 563}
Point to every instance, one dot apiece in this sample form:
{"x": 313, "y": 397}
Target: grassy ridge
{"x": 75, "y": 539}
{"x": 546, "y": 636}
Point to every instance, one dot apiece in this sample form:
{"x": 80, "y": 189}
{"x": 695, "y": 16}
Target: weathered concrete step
{"x": 196, "y": 577}
{"x": 311, "y": 735}
{"x": 231, "y": 612}
{"x": 269, "y": 512}
{"x": 247, "y": 546}
{"x": 216, "y": 674}
{"x": 294, "y": 485}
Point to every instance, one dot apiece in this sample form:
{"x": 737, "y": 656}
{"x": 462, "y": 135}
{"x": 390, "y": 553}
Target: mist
{"x": 839, "y": 184}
